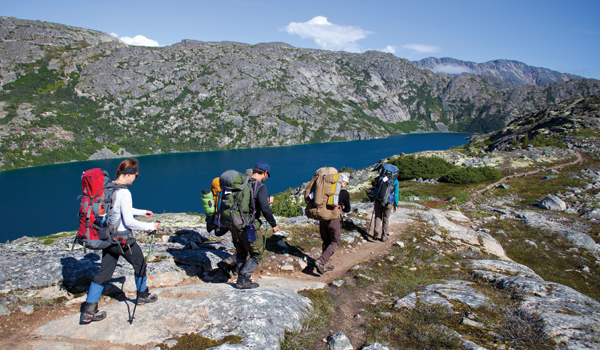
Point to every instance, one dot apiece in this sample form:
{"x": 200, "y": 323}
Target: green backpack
{"x": 240, "y": 208}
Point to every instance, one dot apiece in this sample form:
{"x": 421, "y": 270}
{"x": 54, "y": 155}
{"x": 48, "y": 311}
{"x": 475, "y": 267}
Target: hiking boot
{"x": 145, "y": 297}
{"x": 384, "y": 238}
{"x": 375, "y": 235}
{"x": 90, "y": 313}
{"x": 244, "y": 282}
{"x": 329, "y": 267}
{"x": 320, "y": 267}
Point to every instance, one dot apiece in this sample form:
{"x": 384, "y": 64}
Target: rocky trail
{"x": 42, "y": 286}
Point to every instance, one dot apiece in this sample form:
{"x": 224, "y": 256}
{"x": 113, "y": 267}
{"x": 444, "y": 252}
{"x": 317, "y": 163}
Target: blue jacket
{"x": 396, "y": 191}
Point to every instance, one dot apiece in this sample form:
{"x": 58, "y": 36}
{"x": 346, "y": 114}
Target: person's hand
{"x": 271, "y": 199}
{"x": 156, "y": 225}
{"x": 394, "y": 209}
{"x": 148, "y": 213}
{"x": 276, "y": 228}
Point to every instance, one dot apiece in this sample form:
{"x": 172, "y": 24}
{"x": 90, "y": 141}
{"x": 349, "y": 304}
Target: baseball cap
{"x": 264, "y": 166}
{"x": 344, "y": 178}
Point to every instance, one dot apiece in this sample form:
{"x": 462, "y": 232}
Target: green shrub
{"x": 286, "y": 205}
{"x": 472, "y": 175}
{"x": 411, "y": 167}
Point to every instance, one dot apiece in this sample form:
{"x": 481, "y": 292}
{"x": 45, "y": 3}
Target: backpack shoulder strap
{"x": 113, "y": 228}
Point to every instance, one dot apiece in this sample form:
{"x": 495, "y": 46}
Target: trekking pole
{"x": 369, "y": 226}
{"x": 137, "y": 298}
{"x": 373, "y": 212}
{"x": 262, "y": 264}
{"x": 153, "y": 233}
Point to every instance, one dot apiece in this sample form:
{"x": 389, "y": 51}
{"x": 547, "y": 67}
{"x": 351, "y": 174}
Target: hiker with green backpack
{"x": 245, "y": 205}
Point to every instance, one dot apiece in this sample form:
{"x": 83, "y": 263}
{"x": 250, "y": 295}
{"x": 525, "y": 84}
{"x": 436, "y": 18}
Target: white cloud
{"x": 114, "y": 34}
{"x": 422, "y": 48}
{"x": 327, "y": 35}
{"x": 451, "y": 69}
{"x": 389, "y": 49}
{"x": 139, "y": 40}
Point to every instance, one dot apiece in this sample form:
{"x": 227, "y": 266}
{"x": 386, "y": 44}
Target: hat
{"x": 344, "y": 178}
{"x": 264, "y": 166}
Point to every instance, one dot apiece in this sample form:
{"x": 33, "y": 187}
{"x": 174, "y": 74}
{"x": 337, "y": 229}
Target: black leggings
{"x": 110, "y": 257}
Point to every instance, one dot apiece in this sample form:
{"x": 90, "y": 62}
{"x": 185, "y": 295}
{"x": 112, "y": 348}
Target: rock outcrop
{"x": 200, "y": 96}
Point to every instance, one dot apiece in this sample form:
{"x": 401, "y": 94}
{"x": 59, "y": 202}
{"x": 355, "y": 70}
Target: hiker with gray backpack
{"x": 111, "y": 231}
{"x": 243, "y": 198}
{"x": 384, "y": 194}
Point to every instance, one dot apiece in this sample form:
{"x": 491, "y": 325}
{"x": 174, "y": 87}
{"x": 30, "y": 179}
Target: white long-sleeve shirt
{"x": 123, "y": 207}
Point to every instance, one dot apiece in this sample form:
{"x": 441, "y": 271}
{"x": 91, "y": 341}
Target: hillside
{"x": 512, "y": 264}
{"x": 68, "y": 93}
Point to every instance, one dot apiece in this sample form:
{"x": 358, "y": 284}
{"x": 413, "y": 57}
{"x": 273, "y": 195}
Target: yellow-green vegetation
{"x": 320, "y": 318}
{"x": 408, "y": 189}
{"x": 541, "y": 140}
{"x": 197, "y": 342}
{"x": 555, "y": 259}
{"x": 303, "y": 238}
{"x": 419, "y": 328}
{"x": 585, "y": 133}
{"x": 532, "y": 188}
{"x": 50, "y": 239}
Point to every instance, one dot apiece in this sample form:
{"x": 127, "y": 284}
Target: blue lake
{"x": 43, "y": 200}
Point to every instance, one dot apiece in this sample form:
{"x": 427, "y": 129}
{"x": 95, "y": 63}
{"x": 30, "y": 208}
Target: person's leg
{"x": 135, "y": 257}
{"x": 387, "y": 211}
{"x": 244, "y": 264}
{"x": 89, "y": 309}
{"x": 378, "y": 208}
{"x": 334, "y": 237}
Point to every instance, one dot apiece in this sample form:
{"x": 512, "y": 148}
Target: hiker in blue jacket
{"x": 122, "y": 210}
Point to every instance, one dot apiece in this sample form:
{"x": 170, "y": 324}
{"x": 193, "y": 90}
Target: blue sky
{"x": 555, "y": 34}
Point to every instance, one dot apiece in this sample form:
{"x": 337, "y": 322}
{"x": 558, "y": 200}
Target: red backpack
{"x": 96, "y": 202}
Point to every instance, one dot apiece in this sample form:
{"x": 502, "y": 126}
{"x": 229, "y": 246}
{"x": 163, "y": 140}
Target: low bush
{"x": 472, "y": 175}
{"x": 411, "y": 167}
{"x": 286, "y": 205}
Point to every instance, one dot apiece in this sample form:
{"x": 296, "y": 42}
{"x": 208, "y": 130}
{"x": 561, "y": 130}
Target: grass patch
{"x": 447, "y": 191}
{"x": 198, "y": 342}
{"x": 320, "y": 318}
{"x": 555, "y": 259}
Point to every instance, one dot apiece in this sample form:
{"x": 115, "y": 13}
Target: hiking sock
{"x": 140, "y": 283}
{"x": 94, "y": 293}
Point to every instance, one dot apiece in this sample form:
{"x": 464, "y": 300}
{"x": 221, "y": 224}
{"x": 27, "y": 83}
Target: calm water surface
{"x": 43, "y": 200}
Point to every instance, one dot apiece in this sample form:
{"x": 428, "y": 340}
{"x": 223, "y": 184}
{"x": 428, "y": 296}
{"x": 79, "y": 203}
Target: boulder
{"x": 339, "y": 341}
{"x": 552, "y": 202}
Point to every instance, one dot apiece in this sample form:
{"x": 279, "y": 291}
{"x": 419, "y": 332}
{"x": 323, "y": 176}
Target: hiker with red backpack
{"x": 121, "y": 242}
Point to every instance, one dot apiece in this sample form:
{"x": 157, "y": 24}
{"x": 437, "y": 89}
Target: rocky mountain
{"x": 513, "y": 72}
{"x": 68, "y": 93}
{"x": 555, "y": 122}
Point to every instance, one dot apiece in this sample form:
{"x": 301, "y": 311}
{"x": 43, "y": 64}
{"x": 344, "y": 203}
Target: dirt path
{"x": 495, "y": 184}
{"x": 344, "y": 259}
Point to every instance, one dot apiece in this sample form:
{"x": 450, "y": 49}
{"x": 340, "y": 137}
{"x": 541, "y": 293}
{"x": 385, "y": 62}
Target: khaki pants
{"x": 382, "y": 216}
{"x": 244, "y": 248}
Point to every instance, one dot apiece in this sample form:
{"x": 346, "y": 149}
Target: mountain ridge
{"x": 69, "y": 92}
{"x": 514, "y": 72}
